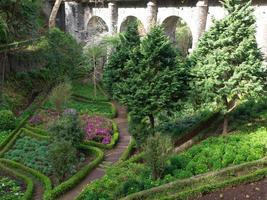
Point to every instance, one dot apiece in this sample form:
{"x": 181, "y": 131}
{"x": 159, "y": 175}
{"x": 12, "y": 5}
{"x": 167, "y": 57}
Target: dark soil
{"x": 252, "y": 191}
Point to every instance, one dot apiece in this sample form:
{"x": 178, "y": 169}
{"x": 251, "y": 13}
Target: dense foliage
{"x": 157, "y": 150}
{"x": 115, "y": 70}
{"x": 60, "y": 95}
{"x": 19, "y": 19}
{"x": 68, "y": 128}
{"x": 63, "y": 158}
{"x": 227, "y": 64}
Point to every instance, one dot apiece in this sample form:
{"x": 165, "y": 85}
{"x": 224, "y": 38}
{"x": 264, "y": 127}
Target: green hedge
{"x": 13, "y": 133}
{"x": 193, "y": 180}
{"x": 10, "y": 143}
{"x": 37, "y": 130}
{"x": 44, "y": 179}
{"x": 114, "y": 139}
{"x": 34, "y": 135}
{"x": 80, "y": 175}
{"x": 29, "y": 183}
{"x": 128, "y": 151}
{"x": 51, "y": 194}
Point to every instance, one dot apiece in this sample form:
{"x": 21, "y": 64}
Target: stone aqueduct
{"x": 80, "y": 16}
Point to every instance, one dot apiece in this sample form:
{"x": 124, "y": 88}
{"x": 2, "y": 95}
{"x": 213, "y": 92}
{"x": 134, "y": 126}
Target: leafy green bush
{"x": 67, "y": 128}
{"x": 157, "y": 150}
{"x": 62, "y": 157}
{"x": 219, "y": 152}
{"x": 60, "y": 95}
{"x": 118, "y": 182}
{"x": 7, "y": 120}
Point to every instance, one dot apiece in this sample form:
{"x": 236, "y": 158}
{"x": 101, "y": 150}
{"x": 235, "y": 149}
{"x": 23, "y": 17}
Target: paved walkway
{"x": 111, "y": 156}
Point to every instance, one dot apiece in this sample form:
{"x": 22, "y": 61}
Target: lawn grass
{"x": 87, "y": 90}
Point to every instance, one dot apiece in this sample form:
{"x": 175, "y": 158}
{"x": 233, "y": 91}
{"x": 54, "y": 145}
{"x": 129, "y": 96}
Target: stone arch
{"x": 130, "y": 19}
{"x": 96, "y": 28}
{"x": 175, "y": 26}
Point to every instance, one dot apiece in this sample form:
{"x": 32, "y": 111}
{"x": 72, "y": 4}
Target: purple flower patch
{"x": 96, "y": 127}
{"x": 36, "y": 120}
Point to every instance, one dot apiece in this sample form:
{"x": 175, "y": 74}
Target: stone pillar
{"x": 152, "y": 13}
{"x": 201, "y": 20}
{"x": 264, "y": 40}
{"x": 113, "y": 17}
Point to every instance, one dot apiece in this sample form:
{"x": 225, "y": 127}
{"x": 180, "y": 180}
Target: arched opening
{"x": 179, "y": 33}
{"x": 129, "y": 20}
{"x": 96, "y": 29}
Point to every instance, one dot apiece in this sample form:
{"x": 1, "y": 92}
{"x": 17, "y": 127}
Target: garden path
{"x": 111, "y": 156}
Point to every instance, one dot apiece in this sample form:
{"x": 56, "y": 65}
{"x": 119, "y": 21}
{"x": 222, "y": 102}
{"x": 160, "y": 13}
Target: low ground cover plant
{"x": 32, "y": 153}
{"x": 97, "y": 128}
{"x": 10, "y": 189}
{"x": 86, "y": 89}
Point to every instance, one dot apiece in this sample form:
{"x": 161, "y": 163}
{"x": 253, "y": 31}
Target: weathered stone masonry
{"x": 198, "y": 14}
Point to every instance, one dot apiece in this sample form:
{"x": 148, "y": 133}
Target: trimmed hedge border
{"x": 37, "y": 130}
{"x": 163, "y": 188}
{"x": 29, "y": 183}
{"x": 80, "y": 175}
{"x": 44, "y": 179}
{"x": 51, "y": 194}
{"x": 10, "y": 143}
{"x": 125, "y": 155}
{"x": 33, "y": 134}
{"x": 39, "y": 100}
{"x": 114, "y": 139}
{"x": 12, "y": 134}
{"x": 81, "y": 97}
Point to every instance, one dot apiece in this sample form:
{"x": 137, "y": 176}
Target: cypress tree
{"x": 115, "y": 71}
{"x": 157, "y": 80}
{"x": 227, "y": 64}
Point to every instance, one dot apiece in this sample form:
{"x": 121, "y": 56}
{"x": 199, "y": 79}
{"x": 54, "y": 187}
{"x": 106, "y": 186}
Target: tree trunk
{"x": 225, "y": 124}
{"x": 152, "y": 122}
{"x": 53, "y": 15}
{"x": 94, "y": 76}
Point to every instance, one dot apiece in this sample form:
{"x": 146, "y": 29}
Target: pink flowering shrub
{"x": 97, "y": 128}
{"x": 36, "y": 120}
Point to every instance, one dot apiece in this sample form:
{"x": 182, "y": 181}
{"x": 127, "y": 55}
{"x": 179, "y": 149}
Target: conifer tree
{"x": 227, "y": 64}
{"x": 156, "y": 81}
{"x": 114, "y": 71}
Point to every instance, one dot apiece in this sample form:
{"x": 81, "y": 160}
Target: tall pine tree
{"x": 157, "y": 81}
{"x": 227, "y": 63}
{"x": 115, "y": 70}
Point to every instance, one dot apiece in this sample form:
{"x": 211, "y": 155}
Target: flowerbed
{"x": 32, "y": 153}
{"x": 98, "y": 129}
{"x": 10, "y": 189}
